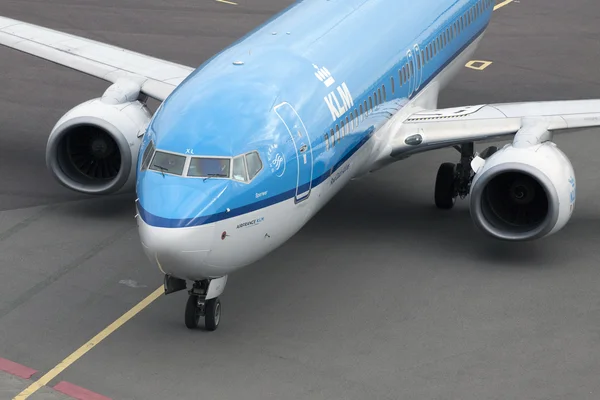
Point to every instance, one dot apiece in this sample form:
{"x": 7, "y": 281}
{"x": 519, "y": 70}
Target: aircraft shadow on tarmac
{"x": 368, "y": 213}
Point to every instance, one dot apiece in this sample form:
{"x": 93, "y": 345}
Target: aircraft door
{"x": 416, "y": 76}
{"x": 302, "y": 144}
{"x": 411, "y": 68}
{"x": 418, "y": 71}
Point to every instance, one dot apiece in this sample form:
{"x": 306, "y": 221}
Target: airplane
{"x": 245, "y": 149}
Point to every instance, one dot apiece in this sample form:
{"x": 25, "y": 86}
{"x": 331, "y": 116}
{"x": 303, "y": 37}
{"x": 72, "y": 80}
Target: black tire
{"x": 444, "y": 186}
{"x": 192, "y": 313}
{"x": 487, "y": 153}
{"x": 213, "y": 314}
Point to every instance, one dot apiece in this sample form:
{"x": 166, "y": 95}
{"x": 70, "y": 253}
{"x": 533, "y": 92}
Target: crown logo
{"x": 324, "y": 76}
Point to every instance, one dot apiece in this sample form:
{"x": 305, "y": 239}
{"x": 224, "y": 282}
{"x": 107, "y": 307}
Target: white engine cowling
{"x": 93, "y": 148}
{"x": 523, "y": 193}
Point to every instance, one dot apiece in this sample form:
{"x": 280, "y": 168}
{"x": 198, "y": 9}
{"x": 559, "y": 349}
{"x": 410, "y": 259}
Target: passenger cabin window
{"x": 393, "y": 85}
{"x": 239, "y": 169}
{"x": 204, "y": 167}
{"x": 254, "y": 164}
{"x": 327, "y": 141}
{"x": 168, "y": 163}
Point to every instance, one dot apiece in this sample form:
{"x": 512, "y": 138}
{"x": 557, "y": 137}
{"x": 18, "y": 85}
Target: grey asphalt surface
{"x": 381, "y": 296}
{"x": 10, "y": 386}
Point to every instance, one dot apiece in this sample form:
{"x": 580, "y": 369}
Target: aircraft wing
{"x": 433, "y": 129}
{"x": 157, "y": 78}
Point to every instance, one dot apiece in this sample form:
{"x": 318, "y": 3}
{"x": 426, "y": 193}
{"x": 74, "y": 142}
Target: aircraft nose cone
{"x": 180, "y": 252}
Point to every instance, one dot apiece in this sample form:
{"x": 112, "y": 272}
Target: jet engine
{"x": 523, "y": 193}
{"x": 93, "y": 148}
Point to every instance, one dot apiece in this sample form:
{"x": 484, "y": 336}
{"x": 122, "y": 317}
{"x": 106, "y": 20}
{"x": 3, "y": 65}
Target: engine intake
{"x": 523, "y": 193}
{"x": 93, "y": 148}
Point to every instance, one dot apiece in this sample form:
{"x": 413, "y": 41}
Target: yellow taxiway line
{"x": 504, "y": 3}
{"x": 77, "y": 354}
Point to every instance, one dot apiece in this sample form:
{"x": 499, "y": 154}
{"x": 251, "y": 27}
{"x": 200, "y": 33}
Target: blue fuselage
{"x": 304, "y": 91}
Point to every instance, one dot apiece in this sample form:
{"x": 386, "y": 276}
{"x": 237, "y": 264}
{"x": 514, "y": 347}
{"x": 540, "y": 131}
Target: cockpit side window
{"x": 254, "y": 164}
{"x": 147, "y": 155}
{"x": 204, "y": 167}
{"x": 239, "y": 169}
{"x": 168, "y": 163}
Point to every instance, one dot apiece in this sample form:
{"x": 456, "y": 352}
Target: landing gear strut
{"x": 204, "y": 303}
{"x": 454, "y": 180}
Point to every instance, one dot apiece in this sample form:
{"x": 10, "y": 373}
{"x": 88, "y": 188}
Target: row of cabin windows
{"x": 407, "y": 71}
{"x": 451, "y": 32}
{"x": 352, "y": 120}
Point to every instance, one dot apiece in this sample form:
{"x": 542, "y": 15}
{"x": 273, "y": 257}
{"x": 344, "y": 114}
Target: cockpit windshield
{"x": 242, "y": 168}
{"x": 204, "y": 167}
{"x": 168, "y": 163}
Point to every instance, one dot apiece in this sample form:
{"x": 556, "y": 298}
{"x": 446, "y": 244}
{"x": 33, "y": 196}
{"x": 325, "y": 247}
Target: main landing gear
{"x": 203, "y": 301}
{"x": 454, "y": 180}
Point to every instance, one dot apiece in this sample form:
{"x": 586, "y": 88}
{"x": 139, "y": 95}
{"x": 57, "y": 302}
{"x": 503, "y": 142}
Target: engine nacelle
{"x": 93, "y": 148}
{"x": 523, "y": 193}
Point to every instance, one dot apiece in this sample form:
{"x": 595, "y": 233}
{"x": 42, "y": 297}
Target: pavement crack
{"x": 36, "y": 289}
{"x": 26, "y": 222}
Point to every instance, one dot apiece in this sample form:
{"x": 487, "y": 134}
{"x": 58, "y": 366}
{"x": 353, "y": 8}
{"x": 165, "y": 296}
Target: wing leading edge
{"x": 433, "y": 129}
{"x": 157, "y": 78}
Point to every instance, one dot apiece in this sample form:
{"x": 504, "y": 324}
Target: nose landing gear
{"x": 204, "y": 302}
{"x": 196, "y": 308}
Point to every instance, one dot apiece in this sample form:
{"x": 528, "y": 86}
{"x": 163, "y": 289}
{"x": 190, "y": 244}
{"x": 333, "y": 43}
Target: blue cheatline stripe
{"x": 155, "y": 220}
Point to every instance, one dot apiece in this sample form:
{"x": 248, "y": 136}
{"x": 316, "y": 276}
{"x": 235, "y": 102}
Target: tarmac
{"x": 380, "y": 296}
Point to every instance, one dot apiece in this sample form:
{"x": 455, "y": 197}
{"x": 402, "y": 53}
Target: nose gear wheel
{"x": 197, "y": 307}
